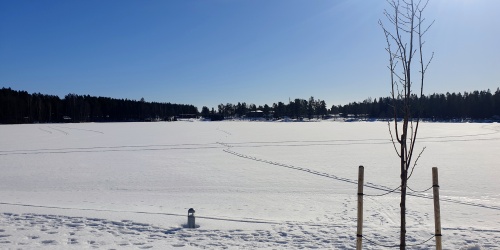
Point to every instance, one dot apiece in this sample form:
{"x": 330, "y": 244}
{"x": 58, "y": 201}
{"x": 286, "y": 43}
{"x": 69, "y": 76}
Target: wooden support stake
{"x": 437, "y": 209}
{"x": 359, "y": 233}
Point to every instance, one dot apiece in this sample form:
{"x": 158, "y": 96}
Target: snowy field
{"x": 271, "y": 185}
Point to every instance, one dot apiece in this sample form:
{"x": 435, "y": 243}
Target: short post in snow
{"x": 359, "y": 233}
{"x": 437, "y": 209}
{"x": 191, "y": 223}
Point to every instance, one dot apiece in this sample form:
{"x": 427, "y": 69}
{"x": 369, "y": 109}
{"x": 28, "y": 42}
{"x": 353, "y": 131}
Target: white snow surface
{"x": 254, "y": 185}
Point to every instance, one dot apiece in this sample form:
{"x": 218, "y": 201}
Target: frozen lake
{"x": 252, "y": 184}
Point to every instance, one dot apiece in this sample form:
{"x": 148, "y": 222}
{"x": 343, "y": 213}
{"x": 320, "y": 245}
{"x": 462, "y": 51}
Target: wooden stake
{"x": 437, "y": 209}
{"x": 359, "y": 233}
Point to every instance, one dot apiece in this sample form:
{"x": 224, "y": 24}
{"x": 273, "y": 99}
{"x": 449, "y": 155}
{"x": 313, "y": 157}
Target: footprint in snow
{"x": 49, "y": 242}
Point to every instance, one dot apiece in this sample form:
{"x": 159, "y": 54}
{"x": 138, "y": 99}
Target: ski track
{"x": 368, "y": 184}
{"x": 59, "y": 130}
{"x": 44, "y": 130}
{"x": 131, "y": 148}
{"x": 87, "y": 130}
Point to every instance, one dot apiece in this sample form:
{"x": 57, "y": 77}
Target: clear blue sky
{"x": 206, "y": 52}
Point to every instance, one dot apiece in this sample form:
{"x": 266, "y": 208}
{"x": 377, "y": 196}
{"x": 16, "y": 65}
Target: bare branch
{"x": 429, "y": 62}
{"x": 416, "y": 161}
{"x": 392, "y": 139}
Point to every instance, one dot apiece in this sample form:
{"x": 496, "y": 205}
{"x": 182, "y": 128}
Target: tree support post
{"x": 359, "y": 233}
{"x": 437, "y": 209}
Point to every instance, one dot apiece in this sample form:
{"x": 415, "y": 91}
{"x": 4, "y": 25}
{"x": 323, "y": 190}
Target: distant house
{"x": 255, "y": 114}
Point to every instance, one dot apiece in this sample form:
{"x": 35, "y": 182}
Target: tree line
{"x": 22, "y": 107}
{"x": 297, "y": 108}
{"x": 469, "y": 105}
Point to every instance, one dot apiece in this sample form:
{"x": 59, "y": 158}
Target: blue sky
{"x": 206, "y": 52}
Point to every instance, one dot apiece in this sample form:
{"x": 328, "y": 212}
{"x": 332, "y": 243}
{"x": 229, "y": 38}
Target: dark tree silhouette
{"x": 21, "y": 107}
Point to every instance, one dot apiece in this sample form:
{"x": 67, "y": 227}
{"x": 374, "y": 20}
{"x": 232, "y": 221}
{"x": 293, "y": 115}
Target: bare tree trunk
{"x": 402, "y": 242}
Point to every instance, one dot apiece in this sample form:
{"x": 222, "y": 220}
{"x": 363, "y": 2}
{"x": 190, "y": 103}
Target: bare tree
{"x": 405, "y": 48}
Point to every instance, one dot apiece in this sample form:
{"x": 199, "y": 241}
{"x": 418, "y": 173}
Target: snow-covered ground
{"x": 274, "y": 185}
